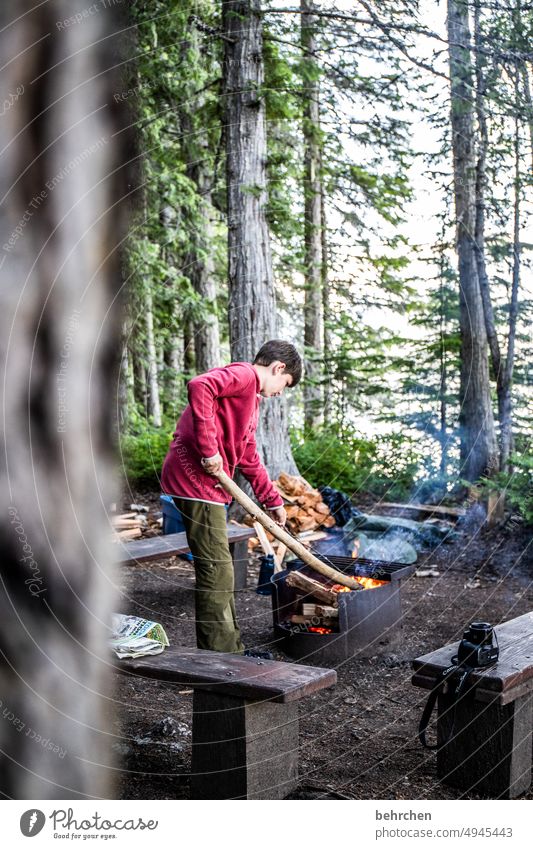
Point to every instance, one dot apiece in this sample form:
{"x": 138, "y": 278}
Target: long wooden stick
{"x": 281, "y": 534}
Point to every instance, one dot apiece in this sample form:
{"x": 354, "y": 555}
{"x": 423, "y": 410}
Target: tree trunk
{"x": 62, "y": 155}
{"x": 189, "y": 364}
{"x": 202, "y": 273}
{"x": 313, "y": 401}
{"x": 139, "y": 375}
{"x": 478, "y": 440}
{"x": 529, "y": 107}
{"x": 252, "y": 304}
{"x": 443, "y": 386}
{"x": 326, "y": 316}
{"x": 481, "y": 188}
{"x": 506, "y": 404}
{"x": 154, "y": 405}
{"x": 201, "y": 268}
{"x": 173, "y": 362}
{"x": 122, "y": 400}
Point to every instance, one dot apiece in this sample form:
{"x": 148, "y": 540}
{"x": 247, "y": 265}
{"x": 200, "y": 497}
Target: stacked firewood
{"x": 305, "y": 509}
{"x": 135, "y": 524}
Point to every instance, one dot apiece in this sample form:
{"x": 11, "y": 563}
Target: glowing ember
{"x": 313, "y": 629}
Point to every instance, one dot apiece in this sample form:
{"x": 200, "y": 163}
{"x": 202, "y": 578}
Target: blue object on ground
{"x": 172, "y": 520}
{"x": 264, "y": 586}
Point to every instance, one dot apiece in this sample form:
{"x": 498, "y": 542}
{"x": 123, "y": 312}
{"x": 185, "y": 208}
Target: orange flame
{"x": 314, "y": 629}
{"x": 369, "y": 583}
{"x": 366, "y": 583}
{"x": 339, "y": 588}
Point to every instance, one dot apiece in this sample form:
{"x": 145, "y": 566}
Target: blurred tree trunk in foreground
{"x": 59, "y": 335}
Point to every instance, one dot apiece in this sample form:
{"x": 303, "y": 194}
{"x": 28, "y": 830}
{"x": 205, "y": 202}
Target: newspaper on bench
{"x": 135, "y": 637}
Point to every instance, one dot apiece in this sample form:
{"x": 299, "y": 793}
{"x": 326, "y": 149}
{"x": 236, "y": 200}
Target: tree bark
{"x": 139, "y": 376}
{"x": 189, "y": 363}
{"x": 478, "y": 441}
{"x": 529, "y": 107}
{"x": 174, "y": 361}
{"x": 313, "y": 400}
{"x": 252, "y": 303}
{"x": 443, "y": 384}
{"x": 201, "y": 268}
{"x": 202, "y": 273}
{"x": 326, "y": 316}
{"x": 481, "y": 188}
{"x": 506, "y": 421}
{"x": 154, "y": 404}
{"x": 61, "y": 180}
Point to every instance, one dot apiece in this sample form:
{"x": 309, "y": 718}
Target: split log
{"x": 311, "y": 536}
{"x": 311, "y": 587}
{"x": 291, "y": 484}
{"x": 266, "y": 545}
{"x": 129, "y": 533}
{"x": 320, "y": 610}
{"x": 278, "y": 557}
{"x": 123, "y": 524}
{"x": 299, "y": 619}
{"x": 437, "y": 510}
{"x": 306, "y": 523}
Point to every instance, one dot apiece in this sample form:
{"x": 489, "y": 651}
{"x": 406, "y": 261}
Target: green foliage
{"x": 142, "y": 455}
{"x": 517, "y": 485}
{"x": 355, "y": 465}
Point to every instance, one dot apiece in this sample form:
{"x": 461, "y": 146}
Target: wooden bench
{"x": 158, "y": 548}
{"x": 245, "y": 718}
{"x": 490, "y": 752}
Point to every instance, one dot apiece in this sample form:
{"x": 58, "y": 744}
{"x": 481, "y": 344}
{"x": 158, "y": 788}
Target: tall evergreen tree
{"x": 479, "y": 454}
{"x": 252, "y": 301}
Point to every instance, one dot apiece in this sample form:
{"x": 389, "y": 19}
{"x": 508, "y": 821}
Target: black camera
{"x": 479, "y": 646}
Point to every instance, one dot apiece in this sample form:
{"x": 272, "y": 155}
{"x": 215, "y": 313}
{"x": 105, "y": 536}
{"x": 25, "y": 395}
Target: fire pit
{"x": 326, "y": 623}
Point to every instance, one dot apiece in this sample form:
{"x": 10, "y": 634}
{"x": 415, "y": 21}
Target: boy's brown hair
{"x": 277, "y": 349}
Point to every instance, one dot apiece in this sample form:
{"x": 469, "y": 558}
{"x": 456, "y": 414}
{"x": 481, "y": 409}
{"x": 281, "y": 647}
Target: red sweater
{"x": 221, "y": 417}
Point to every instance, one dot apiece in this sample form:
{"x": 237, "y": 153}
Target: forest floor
{"x": 358, "y": 739}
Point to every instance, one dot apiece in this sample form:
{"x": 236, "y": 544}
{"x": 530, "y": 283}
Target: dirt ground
{"x": 357, "y": 740}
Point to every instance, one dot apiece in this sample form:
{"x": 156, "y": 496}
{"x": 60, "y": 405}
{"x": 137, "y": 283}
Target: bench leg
{"x": 490, "y": 752}
{"x": 243, "y": 749}
{"x": 239, "y": 553}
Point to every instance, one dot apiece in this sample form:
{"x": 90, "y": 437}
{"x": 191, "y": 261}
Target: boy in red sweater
{"x": 217, "y": 431}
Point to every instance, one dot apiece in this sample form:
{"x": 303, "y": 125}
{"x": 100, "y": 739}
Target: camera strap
{"x": 459, "y": 688}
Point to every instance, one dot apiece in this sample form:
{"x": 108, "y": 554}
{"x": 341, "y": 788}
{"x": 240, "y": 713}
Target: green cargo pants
{"x": 216, "y": 622}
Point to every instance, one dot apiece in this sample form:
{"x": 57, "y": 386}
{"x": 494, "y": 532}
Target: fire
{"x": 314, "y": 629}
{"x": 366, "y": 583}
{"x": 369, "y": 583}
